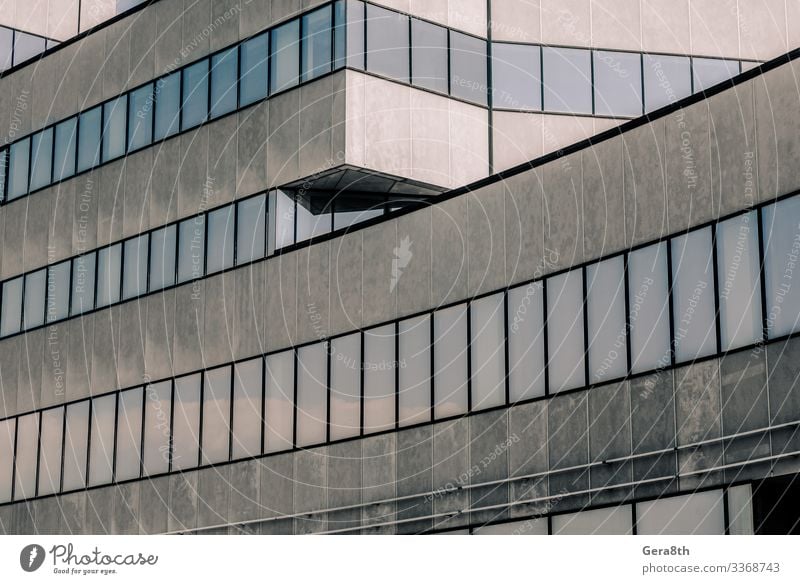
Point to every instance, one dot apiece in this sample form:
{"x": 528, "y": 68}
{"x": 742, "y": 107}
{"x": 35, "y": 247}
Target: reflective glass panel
{"x": 694, "y": 514}
{"x": 50, "y": 451}
{"x": 285, "y": 56}
{"x": 251, "y": 229}
{"x": 450, "y": 361}
{"x": 186, "y": 422}
{"x": 25, "y": 462}
{"x": 516, "y": 76}
{"x": 194, "y": 104}
{"x": 89, "y": 130}
{"x": 64, "y": 155}
{"x": 379, "y": 378}
{"x": 387, "y": 43}
{"x": 429, "y": 55}
{"x": 414, "y": 344}
{"x": 605, "y": 305}
{"x": 317, "y": 39}
{"x": 253, "y": 81}
{"x": 129, "y": 434}
{"x": 488, "y": 351}
{"x": 83, "y": 277}
{"x": 7, "y": 429}
{"x": 134, "y": 277}
{"x": 11, "y": 307}
{"x": 567, "y": 77}
{"x": 649, "y": 308}
{"x": 468, "y": 68}
{"x": 312, "y": 386}
{"x": 76, "y": 445}
{"x": 162, "y": 257}
{"x": 191, "y": 248}
{"x": 666, "y": 80}
{"x": 168, "y": 102}
{"x": 35, "y": 284}
{"x": 223, "y": 81}
{"x": 781, "y": 229}
{"x": 279, "y": 402}
{"x": 565, "y": 342}
{"x": 247, "y": 390}
{"x": 41, "y": 158}
{"x": 157, "y": 416}
{"x": 345, "y": 386}
{"x": 708, "y": 72}
{"x": 101, "y": 444}
{"x": 109, "y": 267}
{"x": 220, "y": 239}
{"x": 140, "y": 117}
{"x": 608, "y": 521}
{"x": 19, "y": 158}
{"x": 216, "y": 415}
{"x": 526, "y": 342}
{"x": 617, "y": 83}
{"x": 115, "y": 114}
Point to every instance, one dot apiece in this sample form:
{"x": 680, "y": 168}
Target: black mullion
{"x": 30, "y": 165}
{"x": 397, "y": 374}
{"x": 489, "y": 85}
{"x": 38, "y": 456}
{"x": 361, "y": 383}
{"x": 22, "y": 304}
{"x": 546, "y": 340}
{"x": 180, "y": 100}
{"x": 14, "y": 459}
{"x": 585, "y": 309}
{"x": 670, "y": 299}
{"x": 449, "y": 64}
{"x": 171, "y": 424}
{"x": 725, "y": 511}
{"x": 594, "y": 88}
{"x": 410, "y": 54}
{"x": 469, "y": 356}
{"x": 121, "y": 270}
{"x": 641, "y": 81}
{"x": 231, "y": 398}
{"x": 294, "y": 408}
{"x": 541, "y": 77}
{"x": 506, "y": 356}
{"x": 202, "y": 415}
{"x": 432, "y": 377}
{"x": 114, "y": 439}
{"x": 626, "y": 276}
{"x": 328, "y": 390}
{"x": 762, "y": 274}
{"x": 89, "y": 442}
{"x": 634, "y": 520}
{"x": 235, "y": 211}
{"x": 63, "y": 448}
{"x": 263, "y": 399}
{"x": 715, "y": 268}
{"x": 141, "y": 434}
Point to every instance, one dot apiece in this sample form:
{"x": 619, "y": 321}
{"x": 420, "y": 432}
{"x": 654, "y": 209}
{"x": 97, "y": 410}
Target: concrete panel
{"x": 559, "y": 131}
{"x": 196, "y": 20}
{"x": 131, "y": 345}
{"x": 62, "y": 19}
{"x": 104, "y": 353}
{"x": 168, "y": 43}
{"x": 714, "y": 26}
{"x": 610, "y": 437}
{"x": 516, "y": 20}
{"x": 563, "y": 209}
{"x": 344, "y": 484}
{"x": 254, "y": 16}
{"x": 15, "y": 219}
{"x": 388, "y": 126}
{"x": 486, "y": 241}
{"x": 310, "y": 490}
{"x": 283, "y": 143}
{"x": 7, "y": 520}
{"x": 414, "y": 280}
{"x": 434, "y": 10}
{"x": 182, "y": 501}
{"x": 30, "y": 373}
{"x": 25, "y": 518}
{"x": 762, "y": 29}
{"x": 160, "y": 331}
{"x": 793, "y": 23}
{"x": 125, "y": 518}
{"x": 85, "y": 212}
{"x": 566, "y": 23}
{"x": 645, "y": 194}
{"x": 187, "y": 341}
{"x": 525, "y": 251}
{"x": 568, "y": 445}
{"x": 99, "y": 509}
{"x": 380, "y": 481}
{"x": 195, "y": 191}
{"x": 154, "y": 505}
{"x": 91, "y": 56}
{"x": 516, "y": 138}
{"x": 47, "y": 516}
{"x": 451, "y": 469}
{"x": 143, "y": 27}
{"x": 224, "y": 23}
{"x": 222, "y": 158}
{"x": 665, "y": 26}
{"x": 603, "y": 199}
{"x": 54, "y": 364}
{"x": 116, "y": 66}
{"x": 9, "y": 376}
{"x": 220, "y": 315}
{"x": 430, "y": 135}
{"x": 277, "y": 493}
{"x": 414, "y": 475}
{"x": 164, "y": 182}
{"x": 110, "y": 201}
{"x": 213, "y": 496}
{"x": 346, "y": 285}
{"x": 355, "y": 119}
{"x": 449, "y": 251}
{"x": 79, "y": 357}
{"x": 250, "y": 287}
{"x": 136, "y": 205}
{"x": 617, "y": 23}
{"x": 37, "y": 219}
{"x": 73, "y": 510}
{"x": 380, "y": 252}
{"x": 45, "y": 88}
{"x": 283, "y": 9}
{"x": 469, "y": 147}
{"x": 783, "y": 373}
{"x": 245, "y": 488}
{"x": 316, "y": 128}
{"x": 60, "y": 223}
{"x": 280, "y": 316}
{"x": 488, "y": 452}
{"x": 468, "y": 15}
{"x": 528, "y": 455}
{"x": 251, "y": 166}
{"x": 313, "y": 292}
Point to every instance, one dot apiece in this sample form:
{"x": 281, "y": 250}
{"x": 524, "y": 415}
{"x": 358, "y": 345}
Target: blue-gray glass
{"x": 140, "y": 117}
{"x": 708, "y": 72}
{"x": 223, "y": 82}
{"x": 191, "y": 248}
{"x": 339, "y": 34}
{"x": 162, "y": 257}
{"x": 35, "y": 289}
{"x": 89, "y": 127}
{"x": 41, "y": 158}
{"x": 429, "y": 55}
{"x": 64, "y": 153}
{"x": 11, "y": 307}
{"x": 285, "y": 56}
{"x": 516, "y": 76}
{"x": 50, "y": 43}
{"x": 58, "y": 291}
{"x": 387, "y": 43}
{"x": 134, "y": 275}
{"x": 3, "y": 172}
{"x": 27, "y": 46}
{"x": 781, "y": 233}
{"x": 667, "y": 79}
{"x": 316, "y": 47}
{"x": 83, "y": 278}
{"x": 251, "y": 229}
{"x": 468, "y": 68}
{"x": 194, "y": 109}
{"x": 355, "y": 34}
{"x": 617, "y": 83}
{"x": 567, "y": 75}
{"x": 115, "y": 114}
{"x": 220, "y": 239}
{"x": 18, "y": 168}
{"x": 253, "y": 83}
{"x": 109, "y": 267}
{"x": 6, "y": 47}
{"x": 168, "y": 101}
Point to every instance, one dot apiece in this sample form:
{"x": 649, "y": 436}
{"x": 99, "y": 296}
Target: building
{"x": 403, "y": 267}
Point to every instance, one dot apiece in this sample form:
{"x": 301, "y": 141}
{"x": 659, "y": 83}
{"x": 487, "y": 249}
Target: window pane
{"x": 162, "y": 257}
{"x": 34, "y": 298}
{"x": 27, "y": 46}
{"x": 414, "y": 339}
{"x": 339, "y": 34}
{"x": 129, "y": 434}
{"x": 355, "y": 34}
{"x": 109, "y": 266}
{"x": 468, "y": 68}
{"x": 115, "y": 113}
{"x": 42, "y": 157}
{"x": 693, "y": 305}
{"x": 140, "y": 117}
{"x": 186, "y": 422}
{"x": 7, "y": 429}
{"x": 27, "y": 446}
{"x": 168, "y": 99}
{"x": 191, "y": 248}
{"x": 781, "y": 229}
{"x": 516, "y": 76}
{"x": 565, "y": 343}
{"x": 157, "y": 414}
{"x": 429, "y": 55}
{"x": 3, "y": 172}
{"x": 194, "y": 105}
{"x": 605, "y": 299}
{"x": 6, "y": 48}
{"x": 223, "y": 81}
{"x": 350, "y": 210}
{"x": 317, "y": 40}
{"x": 312, "y": 385}
{"x": 526, "y": 342}
{"x": 694, "y": 514}
{"x": 488, "y": 351}
{"x": 387, "y": 43}
{"x": 739, "y": 281}
{"x": 18, "y": 168}
{"x": 567, "y": 80}
{"x": 220, "y": 239}
{"x": 450, "y": 361}
{"x": 11, "y": 313}
{"x": 649, "y": 308}
{"x": 101, "y": 443}
{"x": 83, "y": 272}
{"x": 285, "y": 56}
{"x": 76, "y": 444}
{"x": 345, "y": 386}
{"x": 279, "y": 402}
{"x": 247, "y": 388}
{"x": 617, "y": 83}
{"x": 50, "y": 451}
{"x": 281, "y": 228}
{"x": 666, "y": 80}
{"x": 379, "y": 378}
{"x": 89, "y": 129}
{"x": 216, "y": 415}
{"x": 251, "y": 226}
{"x": 609, "y": 521}
{"x": 708, "y": 72}
{"x": 64, "y": 157}
{"x": 134, "y": 278}
{"x": 313, "y": 217}
{"x": 253, "y": 83}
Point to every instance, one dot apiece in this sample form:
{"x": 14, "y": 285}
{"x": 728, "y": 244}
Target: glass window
{"x": 605, "y": 305}
{"x": 350, "y": 210}
{"x": 281, "y": 230}
{"x": 115, "y": 114}
{"x": 220, "y": 239}
{"x": 414, "y": 345}
{"x": 27, "y": 447}
{"x": 101, "y": 442}
{"x": 83, "y": 276}
{"x": 567, "y": 77}
{"x": 739, "y": 281}
{"x": 487, "y": 325}
{"x": 194, "y": 104}
{"x": 3, "y": 172}
{"x": 537, "y": 526}
{"x": 313, "y": 217}
{"x": 516, "y": 76}
{"x": 191, "y": 248}
{"x": 50, "y": 451}
{"x": 11, "y": 307}
{"x": 35, "y": 285}
{"x": 468, "y": 68}
{"x": 89, "y": 129}
{"x": 216, "y": 415}
{"x": 317, "y": 39}
{"x": 312, "y": 386}
{"x": 708, "y": 72}
{"x": 223, "y": 81}
{"x": 565, "y": 342}
{"x": 387, "y": 43}
{"x": 355, "y": 34}
{"x": 76, "y": 445}
{"x": 450, "y": 361}
{"x": 253, "y": 82}
{"x": 134, "y": 277}
{"x": 781, "y": 229}
{"x": 64, "y": 155}
{"x": 19, "y": 158}
{"x": 666, "y": 80}
{"x": 140, "y": 117}
{"x": 285, "y": 56}
{"x": 247, "y": 391}
{"x": 109, "y": 267}
{"x": 7, "y": 429}
{"x": 339, "y": 34}
{"x": 41, "y": 158}
{"x": 168, "y": 101}
{"x": 379, "y": 378}
{"x": 693, "y": 305}
{"x": 157, "y": 416}
{"x": 162, "y": 257}
{"x": 693, "y": 514}
{"x": 345, "y": 386}
{"x": 186, "y": 422}
{"x": 27, "y": 46}
{"x": 649, "y": 308}
{"x": 6, "y": 48}
{"x": 129, "y": 434}
{"x": 617, "y": 83}
{"x": 608, "y": 521}
{"x": 251, "y": 229}
{"x": 429, "y": 55}
{"x": 526, "y": 342}
{"x": 279, "y": 402}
